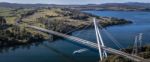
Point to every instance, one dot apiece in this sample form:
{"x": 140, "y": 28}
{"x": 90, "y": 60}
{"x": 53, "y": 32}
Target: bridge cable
{"x": 98, "y": 41}
{"x": 79, "y": 28}
{"x": 85, "y": 27}
{"x": 112, "y": 38}
{"x": 102, "y": 42}
{"x": 135, "y": 49}
{"x": 138, "y": 41}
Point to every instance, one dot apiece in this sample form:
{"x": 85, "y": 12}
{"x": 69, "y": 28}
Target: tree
{"x": 2, "y": 20}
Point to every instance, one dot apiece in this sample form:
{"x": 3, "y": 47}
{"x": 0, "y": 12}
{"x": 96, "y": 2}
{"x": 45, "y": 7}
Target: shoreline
{"x": 71, "y": 19}
{"x": 116, "y": 10}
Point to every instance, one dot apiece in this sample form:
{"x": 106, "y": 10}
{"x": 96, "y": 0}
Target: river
{"x": 62, "y": 50}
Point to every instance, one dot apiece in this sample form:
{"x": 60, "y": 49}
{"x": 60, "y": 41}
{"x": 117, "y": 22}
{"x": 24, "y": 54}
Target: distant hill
{"x": 16, "y": 5}
{"x": 106, "y": 6}
{"x": 147, "y": 5}
{"x": 131, "y": 4}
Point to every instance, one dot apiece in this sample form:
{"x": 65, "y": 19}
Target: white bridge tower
{"x": 100, "y": 42}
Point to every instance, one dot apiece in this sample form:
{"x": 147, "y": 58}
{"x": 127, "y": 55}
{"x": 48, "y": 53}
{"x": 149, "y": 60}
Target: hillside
{"x": 57, "y": 19}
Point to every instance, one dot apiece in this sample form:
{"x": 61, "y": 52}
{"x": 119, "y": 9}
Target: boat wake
{"x": 79, "y": 51}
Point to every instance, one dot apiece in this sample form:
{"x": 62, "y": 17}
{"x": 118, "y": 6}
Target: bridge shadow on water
{"x": 83, "y": 46}
{"x": 28, "y": 46}
{"x": 63, "y": 55}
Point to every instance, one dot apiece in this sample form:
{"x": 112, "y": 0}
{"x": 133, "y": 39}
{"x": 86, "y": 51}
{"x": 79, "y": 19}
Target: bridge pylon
{"x": 100, "y": 42}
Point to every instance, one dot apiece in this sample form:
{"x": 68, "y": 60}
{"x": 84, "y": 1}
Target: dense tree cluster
{"x": 31, "y": 12}
{"x": 114, "y": 21}
{"x": 56, "y": 24}
{"x": 2, "y": 21}
{"x": 17, "y": 36}
{"x": 74, "y": 14}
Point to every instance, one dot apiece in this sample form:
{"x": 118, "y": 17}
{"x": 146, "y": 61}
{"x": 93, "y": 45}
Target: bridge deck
{"x": 91, "y": 44}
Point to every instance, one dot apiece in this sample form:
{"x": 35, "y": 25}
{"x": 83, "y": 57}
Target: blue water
{"x": 125, "y": 34}
{"x": 62, "y": 50}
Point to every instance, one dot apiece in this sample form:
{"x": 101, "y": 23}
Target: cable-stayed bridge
{"x": 91, "y": 44}
{"x": 103, "y": 50}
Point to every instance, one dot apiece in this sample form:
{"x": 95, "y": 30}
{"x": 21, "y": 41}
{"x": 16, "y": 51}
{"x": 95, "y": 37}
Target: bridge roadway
{"x": 91, "y": 44}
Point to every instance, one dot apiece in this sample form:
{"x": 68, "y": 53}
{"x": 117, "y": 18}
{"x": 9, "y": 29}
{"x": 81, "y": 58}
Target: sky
{"x": 72, "y": 1}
